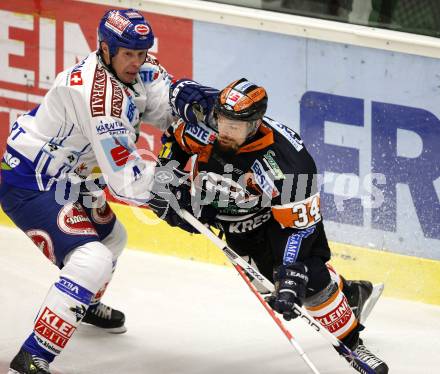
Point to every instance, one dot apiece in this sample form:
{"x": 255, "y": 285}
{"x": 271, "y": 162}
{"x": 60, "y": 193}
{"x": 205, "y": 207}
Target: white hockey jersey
{"x": 88, "y": 122}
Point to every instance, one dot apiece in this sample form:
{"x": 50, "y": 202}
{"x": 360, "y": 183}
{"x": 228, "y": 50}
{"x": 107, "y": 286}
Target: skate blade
{"x": 116, "y": 330}
{"x": 113, "y": 330}
{"x": 371, "y": 301}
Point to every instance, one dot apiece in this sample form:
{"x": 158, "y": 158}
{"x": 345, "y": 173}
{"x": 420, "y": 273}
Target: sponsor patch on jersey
{"x": 97, "y": 97}
{"x": 113, "y": 128}
{"x": 51, "y": 327}
{"x": 117, "y": 99}
{"x": 102, "y": 215}
{"x": 200, "y": 133}
{"x": 149, "y": 74}
{"x": 73, "y": 220}
{"x": 142, "y": 29}
{"x": 117, "y": 23}
{"x": 287, "y": 132}
{"x": 249, "y": 224}
{"x": 275, "y": 170}
{"x": 117, "y": 152}
{"x": 44, "y": 243}
{"x": 263, "y": 180}
{"x": 74, "y": 290}
{"x": 294, "y": 244}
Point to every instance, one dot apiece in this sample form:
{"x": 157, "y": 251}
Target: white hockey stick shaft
{"x": 340, "y": 347}
{"x": 239, "y": 267}
{"x": 286, "y": 332}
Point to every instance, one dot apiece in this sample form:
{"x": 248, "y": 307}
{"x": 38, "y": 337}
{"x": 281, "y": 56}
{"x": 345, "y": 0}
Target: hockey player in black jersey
{"x": 254, "y": 179}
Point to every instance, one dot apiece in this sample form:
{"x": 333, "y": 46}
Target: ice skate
{"x": 104, "y": 317}
{"x": 362, "y": 296}
{"x": 369, "y": 358}
{"x": 26, "y": 363}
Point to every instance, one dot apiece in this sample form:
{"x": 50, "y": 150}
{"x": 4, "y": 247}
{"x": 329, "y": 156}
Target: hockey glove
{"x": 170, "y": 193}
{"x": 191, "y": 101}
{"x": 290, "y": 289}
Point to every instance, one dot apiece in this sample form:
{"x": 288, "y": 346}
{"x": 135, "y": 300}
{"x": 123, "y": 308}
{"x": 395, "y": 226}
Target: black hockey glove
{"x": 191, "y": 101}
{"x": 290, "y": 289}
{"x": 170, "y": 193}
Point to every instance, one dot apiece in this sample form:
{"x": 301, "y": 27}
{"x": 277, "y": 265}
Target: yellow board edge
{"x": 405, "y": 277}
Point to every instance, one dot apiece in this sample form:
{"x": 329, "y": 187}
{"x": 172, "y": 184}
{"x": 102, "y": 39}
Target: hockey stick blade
{"x": 342, "y": 349}
{"x": 371, "y": 302}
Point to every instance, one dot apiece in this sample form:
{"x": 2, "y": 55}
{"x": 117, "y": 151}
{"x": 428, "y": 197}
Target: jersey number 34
{"x": 300, "y": 214}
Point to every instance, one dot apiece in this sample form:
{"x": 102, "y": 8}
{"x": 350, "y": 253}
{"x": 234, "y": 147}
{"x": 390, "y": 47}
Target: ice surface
{"x": 187, "y": 317}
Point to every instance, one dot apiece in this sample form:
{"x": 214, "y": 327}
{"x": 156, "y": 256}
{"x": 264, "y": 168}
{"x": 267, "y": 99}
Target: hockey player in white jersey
{"x": 88, "y": 123}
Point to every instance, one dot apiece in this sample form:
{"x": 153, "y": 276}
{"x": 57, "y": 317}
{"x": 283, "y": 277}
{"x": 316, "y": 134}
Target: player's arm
{"x": 192, "y": 102}
{"x": 156, "y": 81}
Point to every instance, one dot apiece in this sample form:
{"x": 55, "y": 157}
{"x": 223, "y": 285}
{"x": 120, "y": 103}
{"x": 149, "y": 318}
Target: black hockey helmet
{"x": 242, "y": 100}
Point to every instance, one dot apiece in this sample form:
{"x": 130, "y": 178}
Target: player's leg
{"x": 58, "y": 231}
{"x": 325, "y": 299}
{"x": 327, "y": 303}
{"x": 114, "y": 236}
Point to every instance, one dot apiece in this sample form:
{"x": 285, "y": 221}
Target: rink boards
{"x": 366, "y": 107}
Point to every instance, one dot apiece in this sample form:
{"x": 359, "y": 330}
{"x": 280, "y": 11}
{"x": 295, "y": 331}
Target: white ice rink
{"x": 187, "y": 317}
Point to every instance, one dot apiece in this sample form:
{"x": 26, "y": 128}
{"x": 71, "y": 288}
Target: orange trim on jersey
{"x": 203, "y": 151}
{"x": 178, "y": 135}
{"x": 263, "y": 142}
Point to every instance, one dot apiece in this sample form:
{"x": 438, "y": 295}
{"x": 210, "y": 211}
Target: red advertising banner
{"x": 41, "y": 38}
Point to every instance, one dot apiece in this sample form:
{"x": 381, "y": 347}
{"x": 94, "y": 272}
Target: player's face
{"x": 231, "y": 133}
{"x": 127, "y": 63}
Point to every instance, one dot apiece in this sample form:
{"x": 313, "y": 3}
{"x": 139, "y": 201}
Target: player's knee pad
{"x": 89, "y": 265}
{"x": 116, "y": 240}
{"x": 330, "y": 307}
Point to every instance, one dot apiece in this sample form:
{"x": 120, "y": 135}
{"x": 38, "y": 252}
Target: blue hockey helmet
{"x": 125, "y": 28}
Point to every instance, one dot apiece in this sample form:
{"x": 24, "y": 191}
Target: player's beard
{"x": 226, "y": 146}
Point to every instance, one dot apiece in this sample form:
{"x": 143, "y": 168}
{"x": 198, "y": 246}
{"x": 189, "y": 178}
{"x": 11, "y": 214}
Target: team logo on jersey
{"x": 142, "y": 29}
{"x": 117, "y": 98}
{"x": 117, "y": 23}
{"x": 97, "y": 97}
{"x": 51, "y": 327}
{"x": 44, "y": 243}
{"x": 73, "y": 220}
{"x": 102, "y": 215}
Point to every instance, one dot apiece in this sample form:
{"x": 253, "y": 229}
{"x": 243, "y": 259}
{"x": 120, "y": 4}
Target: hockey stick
{"x": 236, "y": 260}
{"x": 277, "y": 320}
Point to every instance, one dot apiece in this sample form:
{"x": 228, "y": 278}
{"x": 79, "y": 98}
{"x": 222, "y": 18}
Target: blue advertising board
{"x": 369, "y": 117}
